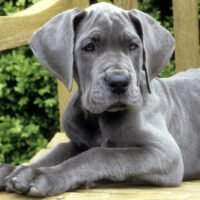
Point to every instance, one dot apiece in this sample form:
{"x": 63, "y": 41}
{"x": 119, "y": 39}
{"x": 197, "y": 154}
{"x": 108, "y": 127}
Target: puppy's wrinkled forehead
{"x": 106, "y": 16}
{"x": 104, "y": 11}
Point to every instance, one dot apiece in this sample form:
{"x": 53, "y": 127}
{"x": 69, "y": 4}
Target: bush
{"x": 28, "y": 99}
{"x": 28, "y": 106}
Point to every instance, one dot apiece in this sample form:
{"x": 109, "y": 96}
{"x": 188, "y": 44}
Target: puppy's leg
{"x": 159, "y": 163}
{"x": 5, "y": 171}
{"x": 17, "y": 178}
{"x": 58, "y": 154}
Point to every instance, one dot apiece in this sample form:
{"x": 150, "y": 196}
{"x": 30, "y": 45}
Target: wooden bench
{"x": 16, "y": 30}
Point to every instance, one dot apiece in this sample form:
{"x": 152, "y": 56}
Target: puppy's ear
{"x": 53, "y": 45}
{"x": 158, "y": 44}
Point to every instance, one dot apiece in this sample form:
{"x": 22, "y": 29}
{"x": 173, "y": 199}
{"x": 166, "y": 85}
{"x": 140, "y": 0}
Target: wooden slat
{"x": 63, "y": 98}
{"x": 126, "y": 4}
{"x": 17, "y": 29}
{"x": 186, "y": 34}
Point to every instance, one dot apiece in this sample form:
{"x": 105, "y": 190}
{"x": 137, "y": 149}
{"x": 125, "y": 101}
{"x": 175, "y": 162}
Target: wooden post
{"x": 186, "y": 34}
{"x": 63, "y": 98}
{"x": 126, "y": 4}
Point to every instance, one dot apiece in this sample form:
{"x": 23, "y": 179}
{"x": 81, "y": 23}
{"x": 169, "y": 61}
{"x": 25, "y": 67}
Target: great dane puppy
{"x": 124, "y": 123}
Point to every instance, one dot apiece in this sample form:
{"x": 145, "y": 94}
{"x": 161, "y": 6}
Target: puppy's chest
{"x": 119, "y": 130}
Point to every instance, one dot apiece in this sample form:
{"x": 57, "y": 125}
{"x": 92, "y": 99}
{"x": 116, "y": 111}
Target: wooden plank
{"x": 186, "y": 191}
{"x": 63, "y": 98}
{"x": 17, "y": 29}
{"x": 186, "y": 32}
{"x": 126, "y": 4}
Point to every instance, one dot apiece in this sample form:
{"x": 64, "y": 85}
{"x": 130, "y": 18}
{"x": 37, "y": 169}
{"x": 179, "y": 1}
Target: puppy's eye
{"x": 133, "y": 46}
{"x": 89, "y": 47}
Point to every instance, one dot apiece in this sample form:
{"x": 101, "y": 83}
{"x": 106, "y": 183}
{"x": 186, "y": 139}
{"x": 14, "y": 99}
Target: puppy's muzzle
{"x": 117, "y": 82}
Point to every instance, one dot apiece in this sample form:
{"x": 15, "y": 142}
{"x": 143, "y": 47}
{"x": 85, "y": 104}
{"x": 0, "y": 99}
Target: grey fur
{"x": 150, "y": 134}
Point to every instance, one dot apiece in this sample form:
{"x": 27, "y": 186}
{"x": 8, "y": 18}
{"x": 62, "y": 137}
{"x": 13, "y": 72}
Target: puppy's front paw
{"x": 36, "y": 182}
{"x": 5, "y": 171}
{"x": 48, "y": 183}
{"x": 19, "y": 179}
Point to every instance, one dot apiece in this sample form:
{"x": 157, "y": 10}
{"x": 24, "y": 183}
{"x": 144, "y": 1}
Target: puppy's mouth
{"x": 117, "y": 107}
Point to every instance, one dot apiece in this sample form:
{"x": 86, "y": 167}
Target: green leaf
{"x": 23, "y": 101}
{"x": 50, "y": 102}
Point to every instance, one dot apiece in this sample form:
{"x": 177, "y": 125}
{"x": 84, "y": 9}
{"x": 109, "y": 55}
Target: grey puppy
{"x": 125, "y": 124}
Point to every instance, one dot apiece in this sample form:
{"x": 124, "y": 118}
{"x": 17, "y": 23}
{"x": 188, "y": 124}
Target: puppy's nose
{"x": 118, "y": 82}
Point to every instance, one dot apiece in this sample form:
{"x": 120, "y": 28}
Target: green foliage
{"x": 168, "y": 71}
{"x": 28, "y": 99}
{"x": 19, "y": 142}
{"x": 10, "y": 7}
{"x": 28, "y": 106}
{"x": 199, "y": 8}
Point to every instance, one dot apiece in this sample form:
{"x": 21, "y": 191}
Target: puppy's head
{"x": 105, "y": 48}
